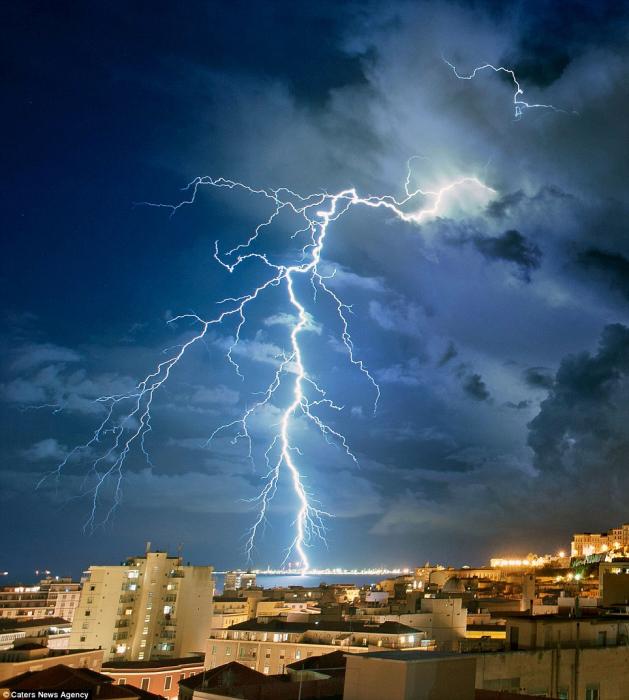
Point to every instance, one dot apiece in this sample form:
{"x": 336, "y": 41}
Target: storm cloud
{"x": 497, "y": 329}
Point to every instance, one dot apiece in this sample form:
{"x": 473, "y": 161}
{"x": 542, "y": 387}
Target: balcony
{"x": 122, "y": 623}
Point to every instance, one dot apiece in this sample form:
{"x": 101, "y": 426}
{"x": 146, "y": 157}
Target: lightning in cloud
{"x": 519, "y": 105}
{"x": 127, "y": 416}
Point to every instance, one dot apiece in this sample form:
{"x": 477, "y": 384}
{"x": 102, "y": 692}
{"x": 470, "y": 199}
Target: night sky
{"x": 498, "y": 331}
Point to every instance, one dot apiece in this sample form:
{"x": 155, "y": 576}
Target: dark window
{"x": 591, "y": 692}
{"x": 168, "y": 682}
{"x": 145, "y": 683}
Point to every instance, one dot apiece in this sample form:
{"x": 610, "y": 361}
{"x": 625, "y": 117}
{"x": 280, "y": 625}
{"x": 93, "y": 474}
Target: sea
{"x": 306, "y": 580}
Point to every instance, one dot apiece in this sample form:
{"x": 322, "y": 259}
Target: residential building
{"x": 556, "y": 631}
{"x": 150, "y": 607}
{"x": 51, "y": 597}
{"x": 229, "y": 610}
{"x": 238, "y": 580}
{"x": 443, "y": 620}
{"x": 31, "y": 657}
{"x": 52, "y": 632}
{"x": 66, "y": 680}
{"x": 270, "y": 645}
{"x": 161, "y": 676}
{"x": 568, "y": 674}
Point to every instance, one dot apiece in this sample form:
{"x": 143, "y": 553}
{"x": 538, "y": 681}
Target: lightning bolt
{"x": 519, "y": 105}
{"x": 127, "y": 416}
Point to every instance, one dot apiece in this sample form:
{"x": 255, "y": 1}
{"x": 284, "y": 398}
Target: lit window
{"x": 228, "y": 651}
{"x": 143, "y": 643}
{"x": 141, "y": 656}
{"x": 145, "y": 630}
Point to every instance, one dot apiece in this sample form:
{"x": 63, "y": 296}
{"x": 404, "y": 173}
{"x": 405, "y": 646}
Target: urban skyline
{"x": 477, "y": 152}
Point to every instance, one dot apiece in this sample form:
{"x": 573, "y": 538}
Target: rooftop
{"x": 275, "y": 625}
{"x": 61, "y": 677}
{"x": 155, "y": 663}
{"x": 411, "y": 656}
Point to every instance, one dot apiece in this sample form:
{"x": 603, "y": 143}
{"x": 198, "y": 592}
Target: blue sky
{"x": 498, "y": 332}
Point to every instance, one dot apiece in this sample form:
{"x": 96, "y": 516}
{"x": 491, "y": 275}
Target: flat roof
{"x": 410, "y": 656}
{"x": 154, "y": 663}
{"x": 275, "y": 625}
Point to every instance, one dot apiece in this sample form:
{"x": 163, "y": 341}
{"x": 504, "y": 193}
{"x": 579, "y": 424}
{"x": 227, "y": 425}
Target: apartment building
{"x": 270, "y": 645}
{"x": 161, "y": 677}
{"x": 150, "y": 607}
{"x": 228, "y": 611}
{"x": 51, "y": 597}
{"x": 239, "y": 580}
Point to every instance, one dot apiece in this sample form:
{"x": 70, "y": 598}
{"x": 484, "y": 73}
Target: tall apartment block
{"x": 150, "y": 607}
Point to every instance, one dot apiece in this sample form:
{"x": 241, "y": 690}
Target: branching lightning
{"x": 127, "y": 416}
{"x": 519, "y": 105}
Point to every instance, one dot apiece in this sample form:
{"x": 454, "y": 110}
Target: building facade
{"x": 585, "y": 544}
{"x": 269, "y": 646}
{"x": 51, "y": 597}
{"x": 150, "y": 607}
{"x": 159, "y": 677}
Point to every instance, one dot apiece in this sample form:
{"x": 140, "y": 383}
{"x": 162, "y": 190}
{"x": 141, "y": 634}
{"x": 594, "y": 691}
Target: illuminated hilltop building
{"x": 150, "y": 607}
{"x": 585, "y": 544}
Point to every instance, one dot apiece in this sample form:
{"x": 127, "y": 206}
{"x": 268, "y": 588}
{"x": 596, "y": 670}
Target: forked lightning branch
{"x": 127, "y": 416}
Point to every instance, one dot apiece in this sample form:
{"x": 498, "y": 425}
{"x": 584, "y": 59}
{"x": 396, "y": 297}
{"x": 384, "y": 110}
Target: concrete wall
{"x": 437, "y": 678}
{"x": 553, "y": 672}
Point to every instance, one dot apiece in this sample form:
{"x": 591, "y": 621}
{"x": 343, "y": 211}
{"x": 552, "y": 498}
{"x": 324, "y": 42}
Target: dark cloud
{"x": 450, "y": 353}
{"x": 512, "y": 247}
{"x": 321, "y": 97}
{"x": 475, "y": 387}
{"x": 519, "y": 406}
{"x": 538, "y": 377}
{"x": 581, "y": 426}
{"x": 613, "y": 268}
